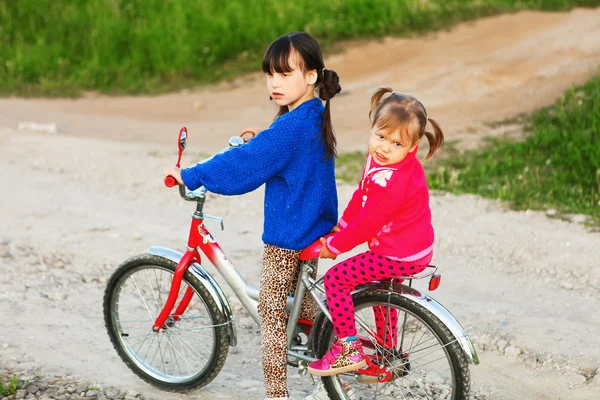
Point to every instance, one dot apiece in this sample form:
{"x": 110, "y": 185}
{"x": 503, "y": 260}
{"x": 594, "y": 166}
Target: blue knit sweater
{"x": 290, "y": 157}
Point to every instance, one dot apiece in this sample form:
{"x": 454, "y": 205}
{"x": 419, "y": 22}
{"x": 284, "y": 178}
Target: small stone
{"x": 132, "y": 393}
{"x": 92, "y": 393}
{"x": 512, "y": 351}
{"x": 574, "y": 379}
{"x": 21, "y": 394}
{"x": 56, "y": 296}
{"x": 566, "y": 285}
{"x": 37, "y": 127}
{"x": 33, "y": 389}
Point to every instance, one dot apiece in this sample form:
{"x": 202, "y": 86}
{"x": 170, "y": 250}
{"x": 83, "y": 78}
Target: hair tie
{"x": 323, "y": 71}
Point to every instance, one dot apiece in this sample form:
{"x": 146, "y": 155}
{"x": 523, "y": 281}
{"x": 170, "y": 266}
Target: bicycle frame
{"x": 201, "y": 239}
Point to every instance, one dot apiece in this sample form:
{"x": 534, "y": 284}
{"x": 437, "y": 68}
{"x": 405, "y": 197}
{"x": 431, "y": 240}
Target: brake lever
{"x": 211, "y": 218}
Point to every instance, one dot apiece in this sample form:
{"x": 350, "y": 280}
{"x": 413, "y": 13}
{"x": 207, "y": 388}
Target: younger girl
{"x": 390, "y": 210}
{"x": 295, "y": 158}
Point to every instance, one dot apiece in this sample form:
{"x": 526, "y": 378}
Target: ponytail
{"x": 376, "y": 102}
{"x": 329, "y": 87}
{"x": 435, "y": 139}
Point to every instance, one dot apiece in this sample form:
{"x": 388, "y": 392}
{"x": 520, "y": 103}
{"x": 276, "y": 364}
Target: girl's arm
{"x": 380, "y": 208}
{"x": 245, "y": 168}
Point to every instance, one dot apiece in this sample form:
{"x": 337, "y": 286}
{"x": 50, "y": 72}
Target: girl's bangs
{"x": 396, "y": 124}
{"x": 277, "y": 56}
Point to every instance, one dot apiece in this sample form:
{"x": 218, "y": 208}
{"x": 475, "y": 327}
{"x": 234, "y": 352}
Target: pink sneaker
{"x": 343, "y": 356}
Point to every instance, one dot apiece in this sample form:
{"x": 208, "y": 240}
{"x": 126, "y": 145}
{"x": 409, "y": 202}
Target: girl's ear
{"x": 311, "y": 77}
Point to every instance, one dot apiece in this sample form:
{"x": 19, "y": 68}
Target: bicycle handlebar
{"x": 170, "y": 181}
{"x": 198, "y": 194}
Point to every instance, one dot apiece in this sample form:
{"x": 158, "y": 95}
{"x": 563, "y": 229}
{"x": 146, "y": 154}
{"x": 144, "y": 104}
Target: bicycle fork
{"x": 188, "y": 258}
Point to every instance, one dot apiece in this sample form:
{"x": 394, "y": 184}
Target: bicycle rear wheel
{"x": 185, "y": 354}
{"x": 425, "y": 361}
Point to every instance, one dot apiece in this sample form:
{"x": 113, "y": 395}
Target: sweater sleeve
{"x": 243, "y": 169}
{"x": 381, "y": 206}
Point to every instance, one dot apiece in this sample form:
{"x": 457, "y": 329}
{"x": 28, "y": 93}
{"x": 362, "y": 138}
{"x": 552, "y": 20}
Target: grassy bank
{"x": 557, "y": 166}
{"x": 61, "y": 47}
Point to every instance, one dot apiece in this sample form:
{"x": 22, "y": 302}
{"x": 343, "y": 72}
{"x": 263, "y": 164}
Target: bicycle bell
{"x": 236, "y": 141}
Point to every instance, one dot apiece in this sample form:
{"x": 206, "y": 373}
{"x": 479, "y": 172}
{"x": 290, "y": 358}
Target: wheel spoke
{"x": 183, "y": 350}
{"x": 421, "y": 365}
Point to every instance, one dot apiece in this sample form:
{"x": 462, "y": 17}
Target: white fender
{"x": 427, "y": 302}
{"x": 209, "y": 283}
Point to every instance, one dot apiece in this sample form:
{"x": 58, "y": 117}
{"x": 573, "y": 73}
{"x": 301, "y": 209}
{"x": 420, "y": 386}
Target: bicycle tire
{"x": 338, "y": 386}
{"x": 165, "y": 376}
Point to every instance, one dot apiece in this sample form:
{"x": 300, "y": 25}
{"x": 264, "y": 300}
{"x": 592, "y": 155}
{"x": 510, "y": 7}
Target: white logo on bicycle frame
{"x": 206, "y": 236}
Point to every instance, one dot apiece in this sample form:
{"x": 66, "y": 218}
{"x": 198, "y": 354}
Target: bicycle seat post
{"x": 305, "y": 270}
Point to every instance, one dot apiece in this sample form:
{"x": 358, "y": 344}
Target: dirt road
{"x": 76, "y": 203}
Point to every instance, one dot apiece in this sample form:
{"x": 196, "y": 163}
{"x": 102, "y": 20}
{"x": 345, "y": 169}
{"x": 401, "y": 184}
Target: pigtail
{"x": 329, "y": 87}
{"x": 435, "y": 139}
{"x": 376, "y": 102}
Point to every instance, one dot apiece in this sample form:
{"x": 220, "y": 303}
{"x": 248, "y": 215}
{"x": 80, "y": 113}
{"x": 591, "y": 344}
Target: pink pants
{"x": 342, "y": 278}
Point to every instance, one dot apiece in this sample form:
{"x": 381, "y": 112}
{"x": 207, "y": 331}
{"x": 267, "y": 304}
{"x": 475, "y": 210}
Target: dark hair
{"x": 276, "y": 59}
{"x": 403, "y": 113}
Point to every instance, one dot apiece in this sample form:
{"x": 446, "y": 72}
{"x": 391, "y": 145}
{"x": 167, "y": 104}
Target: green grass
{"x": 557, "y": 166}
{"x": 63, "y": 47}
{"x": 9, "y": 388}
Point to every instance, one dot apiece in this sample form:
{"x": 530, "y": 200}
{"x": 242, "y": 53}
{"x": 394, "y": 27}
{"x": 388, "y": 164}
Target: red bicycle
{"x": 170, "y": 322}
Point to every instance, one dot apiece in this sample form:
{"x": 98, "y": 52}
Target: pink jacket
{"x": 390, "y": 210}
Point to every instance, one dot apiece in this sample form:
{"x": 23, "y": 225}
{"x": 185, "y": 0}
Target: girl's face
{"x": 291, "y": 88}
{"x": 388, "y": 148}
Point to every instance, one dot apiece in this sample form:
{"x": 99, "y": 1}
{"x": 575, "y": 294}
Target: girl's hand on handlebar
{"x": 249, "y": 133}
{"x": 335, "y": 229}
{"x": 175, "y": 173}
{"x": 325, "y": 253}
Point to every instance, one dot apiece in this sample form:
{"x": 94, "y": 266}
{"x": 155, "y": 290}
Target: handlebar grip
{"x": 170, "y": 181}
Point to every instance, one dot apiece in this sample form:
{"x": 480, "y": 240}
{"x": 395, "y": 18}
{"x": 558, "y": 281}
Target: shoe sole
{"x": 336, "y": 371}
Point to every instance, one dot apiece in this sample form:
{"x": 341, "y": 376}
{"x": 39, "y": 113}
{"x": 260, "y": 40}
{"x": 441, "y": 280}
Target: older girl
{"x": 294, "y": 157}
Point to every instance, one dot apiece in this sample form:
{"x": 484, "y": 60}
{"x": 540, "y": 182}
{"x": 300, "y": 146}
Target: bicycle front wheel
{"x": 422, "y": 356}
{"x": 189, "y": 351}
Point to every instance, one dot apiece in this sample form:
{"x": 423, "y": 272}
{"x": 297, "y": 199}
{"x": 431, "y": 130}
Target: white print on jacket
{"x": 381, "y": 177}
{"x": 384, "y": 229}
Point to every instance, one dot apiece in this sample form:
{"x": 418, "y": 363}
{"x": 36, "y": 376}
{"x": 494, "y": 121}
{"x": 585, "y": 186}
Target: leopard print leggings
{"x": 278, "y": 279}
